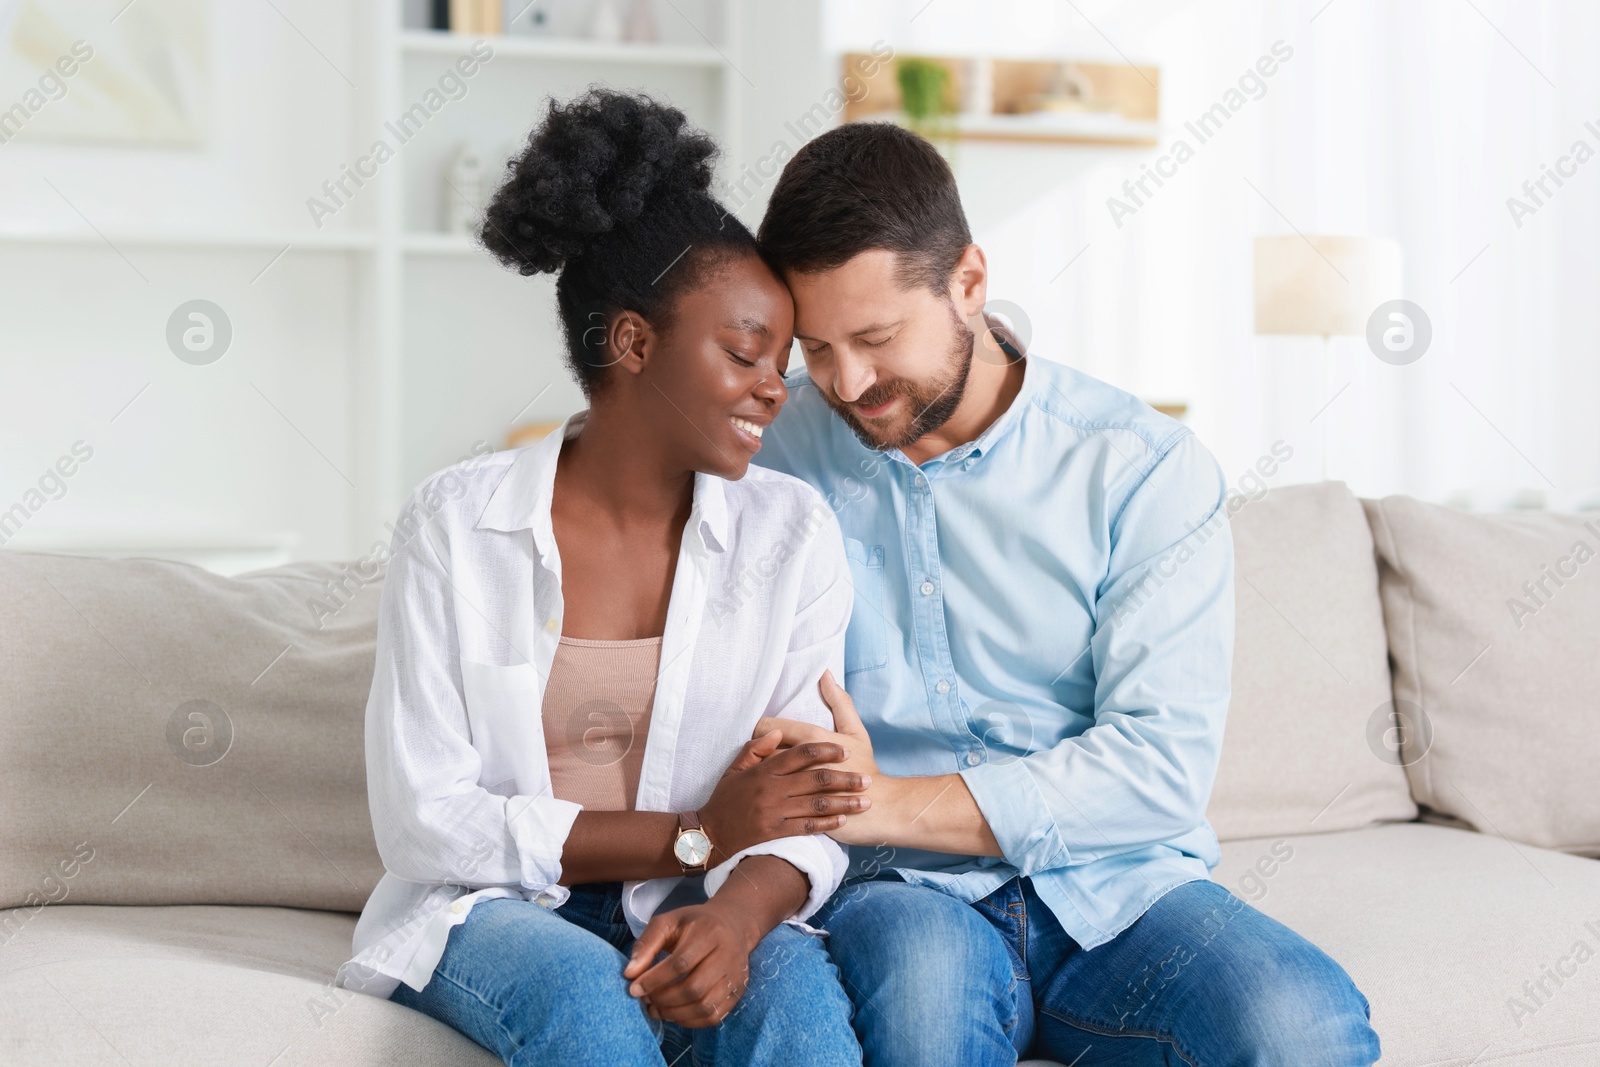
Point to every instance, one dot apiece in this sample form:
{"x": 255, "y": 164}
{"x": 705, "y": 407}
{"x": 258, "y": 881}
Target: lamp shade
{"x": 1321, "y": 285}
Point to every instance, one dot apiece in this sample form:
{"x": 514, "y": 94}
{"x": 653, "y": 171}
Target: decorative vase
{"x": 606, "y": 23}
{"x": 462, "y": 192}
{"x": 642, "y": 22}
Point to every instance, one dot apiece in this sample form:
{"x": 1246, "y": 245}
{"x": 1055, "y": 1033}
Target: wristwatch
{"x": 692, "y": 846}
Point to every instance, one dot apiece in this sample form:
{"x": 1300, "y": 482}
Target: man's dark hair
{"x": 861, "y": 186}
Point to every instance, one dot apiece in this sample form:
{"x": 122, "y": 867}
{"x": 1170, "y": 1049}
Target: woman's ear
{"x": 630, "y": 342}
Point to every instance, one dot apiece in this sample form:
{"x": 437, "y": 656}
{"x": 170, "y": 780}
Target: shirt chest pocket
{"x": 507, "y": 724}
{"x": 866, "y": 642}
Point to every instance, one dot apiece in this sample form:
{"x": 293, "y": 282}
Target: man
{"x": 1040, "y": 652}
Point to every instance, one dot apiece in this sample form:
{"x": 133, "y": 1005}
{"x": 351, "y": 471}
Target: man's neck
{"x": 991, "y": 388}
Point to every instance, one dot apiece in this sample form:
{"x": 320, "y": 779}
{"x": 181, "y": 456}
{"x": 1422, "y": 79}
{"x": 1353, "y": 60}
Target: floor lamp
{"x": 1323, "y": 286}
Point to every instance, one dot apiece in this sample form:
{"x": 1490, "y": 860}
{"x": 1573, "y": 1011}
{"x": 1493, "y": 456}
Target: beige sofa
{"x": 184, "y": 839}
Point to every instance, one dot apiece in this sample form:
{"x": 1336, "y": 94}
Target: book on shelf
{"x": 477, "y": 17}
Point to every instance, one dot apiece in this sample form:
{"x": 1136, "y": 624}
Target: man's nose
{"x": 851, "y": 378}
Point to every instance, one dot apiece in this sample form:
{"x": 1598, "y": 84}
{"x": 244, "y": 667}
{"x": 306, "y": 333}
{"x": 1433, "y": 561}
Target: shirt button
{"x": 544, "y": 900}
{"x": 943, "y": 687}
{"x": 973, "y": 759}
{"x": 922, "y": 481}
{"x": 553, "y": 625}
{"x": 456, "y": 907}
{"x": 970, "y": 461}
{"x": 927, "y": 588}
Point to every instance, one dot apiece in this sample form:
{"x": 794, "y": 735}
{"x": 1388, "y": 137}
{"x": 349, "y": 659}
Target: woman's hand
{"x": 849, "y": 735}
{"x": 767, "y": 794}
{"x": 707, "y": 967}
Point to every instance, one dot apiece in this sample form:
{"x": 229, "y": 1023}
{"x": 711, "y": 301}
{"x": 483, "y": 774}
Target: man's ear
{"x": 630, "y": 342}
{"x": 969, "y": 282}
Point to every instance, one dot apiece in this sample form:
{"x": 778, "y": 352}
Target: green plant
{"x": 922, "y": 90}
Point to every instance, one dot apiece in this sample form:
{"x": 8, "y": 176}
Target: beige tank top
{"x": 596, "y": 718}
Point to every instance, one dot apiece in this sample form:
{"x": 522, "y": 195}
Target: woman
{"x": 577, "y": 639}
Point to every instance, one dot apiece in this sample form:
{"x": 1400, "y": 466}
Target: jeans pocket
{"x": 1011, "y": 923}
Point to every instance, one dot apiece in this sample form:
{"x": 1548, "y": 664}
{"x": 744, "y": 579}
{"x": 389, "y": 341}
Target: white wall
{"x": 201, "y": 455}
{"x": 1413, "y": 122}
{"x": 1410, "y": 121}
{"x": 272, "y": 443}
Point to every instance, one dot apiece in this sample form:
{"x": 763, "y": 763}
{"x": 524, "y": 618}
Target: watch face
{"x": 692, "y": 848}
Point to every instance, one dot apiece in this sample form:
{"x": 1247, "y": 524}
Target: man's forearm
{"x": 937, "y": 813}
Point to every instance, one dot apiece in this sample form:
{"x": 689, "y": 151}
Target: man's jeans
{"x": 544, "y": 986}
{"x": 1201, "y": 979}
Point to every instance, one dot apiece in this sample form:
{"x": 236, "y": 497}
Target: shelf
{"x": 1012, "y": 100}
{"x": 562, "y": 49}
{"x": 329, "y": 240}
{"x": 1051, "y": 128}
{"x": 441, "y": 244}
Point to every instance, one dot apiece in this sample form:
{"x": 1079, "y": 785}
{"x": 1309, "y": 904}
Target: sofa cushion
{"x": 1448, "y": 933}
{"x": 202, "y": 985}
{"x": 173, "y": 736}
{"x": 1310, "y": 669}
{"x": 1493, "y": 628}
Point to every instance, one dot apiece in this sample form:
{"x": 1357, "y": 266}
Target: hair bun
{"x": 590, "y": 169}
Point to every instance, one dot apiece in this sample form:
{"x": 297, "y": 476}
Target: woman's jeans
{"x": 537, "y": 985}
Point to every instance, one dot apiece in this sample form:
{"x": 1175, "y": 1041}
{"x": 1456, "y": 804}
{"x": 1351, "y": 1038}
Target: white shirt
{"x": 468, "y": 625}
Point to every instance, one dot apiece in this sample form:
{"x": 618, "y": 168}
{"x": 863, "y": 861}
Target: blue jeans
{"x": 536, "y": 985}
{"x": 1201, "y": 979}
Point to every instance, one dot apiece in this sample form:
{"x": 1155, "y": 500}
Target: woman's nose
{"x": 773, "y": 390}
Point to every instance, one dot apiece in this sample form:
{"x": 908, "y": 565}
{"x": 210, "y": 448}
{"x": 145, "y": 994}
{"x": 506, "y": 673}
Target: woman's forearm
{"x": 761, "y": 892}
{"x": 626, "y": 846}
{"x": 620, "y": 846}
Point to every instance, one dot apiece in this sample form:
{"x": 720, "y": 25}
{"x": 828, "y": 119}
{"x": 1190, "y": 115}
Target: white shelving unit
{"x": 325, "y": 240}
{"x": 458, "y": 346}
{"x": 429, "y": 344}
{"x": 433, "y": 42}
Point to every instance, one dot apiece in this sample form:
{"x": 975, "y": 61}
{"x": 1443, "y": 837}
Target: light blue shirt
{"x": 1047, "y": 610}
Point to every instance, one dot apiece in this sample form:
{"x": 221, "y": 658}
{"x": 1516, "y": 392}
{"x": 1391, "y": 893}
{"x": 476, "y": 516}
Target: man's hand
{"x": 847, "y": 732}
{"x": 766, "y": 794}
{"x": 705, "y": 971}
{"x": 850, "y": 735}
{"x": 935, "y": 812}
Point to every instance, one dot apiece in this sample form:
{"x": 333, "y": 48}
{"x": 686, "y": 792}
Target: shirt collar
{"x": 522, "y": 499}
{"x": 1011, "y": 415}
{"x": 996, "y": 430}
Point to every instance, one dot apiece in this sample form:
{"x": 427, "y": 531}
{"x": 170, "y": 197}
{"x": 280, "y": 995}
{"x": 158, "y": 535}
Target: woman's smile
{"x": 748, "y": 432}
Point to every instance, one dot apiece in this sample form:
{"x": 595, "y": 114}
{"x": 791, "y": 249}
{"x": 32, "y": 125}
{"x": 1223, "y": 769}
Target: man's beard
{"x": 933, "y": 403}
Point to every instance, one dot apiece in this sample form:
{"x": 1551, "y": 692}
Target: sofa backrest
{"x": 198, "y": 738}
{"x": 1494, "y": 628}
{"x": 1305, "y": 749}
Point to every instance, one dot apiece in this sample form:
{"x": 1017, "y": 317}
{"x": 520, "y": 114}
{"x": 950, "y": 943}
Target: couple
{"x": 611, "y": 758}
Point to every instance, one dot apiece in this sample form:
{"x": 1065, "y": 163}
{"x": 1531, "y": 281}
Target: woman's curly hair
{"x": 612, "y": 193}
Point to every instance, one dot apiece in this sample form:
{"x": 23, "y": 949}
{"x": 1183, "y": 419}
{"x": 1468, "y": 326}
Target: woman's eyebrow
{"x": 755, "y": 326}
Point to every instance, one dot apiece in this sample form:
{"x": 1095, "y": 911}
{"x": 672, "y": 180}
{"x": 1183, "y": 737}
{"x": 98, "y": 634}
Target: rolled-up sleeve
{"x": 1162, "y": 650}
{"x": 432, "y": 820}
{"x": 816, "y": 644}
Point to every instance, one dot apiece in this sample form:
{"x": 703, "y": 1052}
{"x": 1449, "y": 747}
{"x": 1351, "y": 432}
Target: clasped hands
{"x": 691, "y": 964}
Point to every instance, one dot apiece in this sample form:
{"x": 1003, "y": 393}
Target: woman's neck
{"x": 617, "y": 467}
